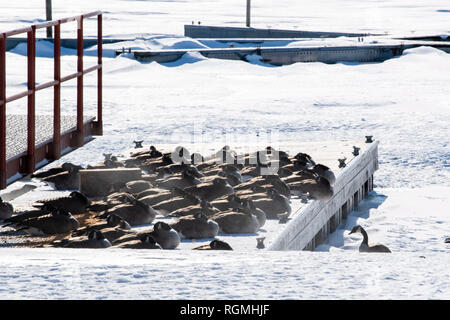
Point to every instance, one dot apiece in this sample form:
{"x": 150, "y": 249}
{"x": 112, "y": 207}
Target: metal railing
{"x": 56, "y": 84}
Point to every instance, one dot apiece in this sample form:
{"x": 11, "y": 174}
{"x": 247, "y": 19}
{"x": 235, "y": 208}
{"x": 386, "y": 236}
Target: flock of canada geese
{"x": 224, "y": 192}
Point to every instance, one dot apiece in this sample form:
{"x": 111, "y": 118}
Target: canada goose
{"x": 111, "y": 221}
{"x": 164, "y": 195}
{"x": 284, "y": 172}
{"x": 230, "y": 202}
{"x": 204, "y": 207}
{"x": 22, "y": 216}
{"x": 132, "y": 235}
{"x": 325, "y": 172}
{"x": 180, "y": 167}
{"x": 110, "y": 162}
{"x": 75, "y": 203}
{"x": 152, "y": 153}
{"x": 211, "y": 190}
{"x": 305, "y": 157}
{"x": 152, "y": 192}
{"x": 273, "y": 180}
{"x": 196, "y": 227}
{"x": 66, "y": 180}
{"x": 143, "y": 242}
{"x": 166, "y": 207}
{"x": 215, "y": 245}
{"x": 365, "y": 247}
{"x": 233, "y": 178}
{"x": 237, "y": 221}
{"x": 319, "y": 188}
{"x": 248, "y": 205}
{"x": 116, "y": 232}
{"x": 150, "y": 165}
{"x": 298, "y": 165}
{"x": 65, "y": 167}
{"x": 165, "y": 235}
{"x": 134, "y": 187}
{"x": 273, "y": 204}
{"x": 135, "y": 213}
{"x": 59, "y": 221}
{"x": 186, "y": 179}
{"x": 160, "y": 174}
{"x": 6, "y": 210}
{"x": 300, "y": 176}
{"x": 269, "y": 168}
{"x": 94, "y": 240}
{"x": 111, "y": 201}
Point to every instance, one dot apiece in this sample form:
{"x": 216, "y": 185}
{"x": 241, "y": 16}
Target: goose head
{"x": 80, "y": 197}
{"x": 219, "y": 245}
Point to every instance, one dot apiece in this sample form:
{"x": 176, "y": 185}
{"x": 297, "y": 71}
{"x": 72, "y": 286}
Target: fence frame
{"x": 78, "y": 139}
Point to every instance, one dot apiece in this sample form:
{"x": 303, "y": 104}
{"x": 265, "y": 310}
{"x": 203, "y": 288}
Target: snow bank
{"x": 151, "y": 274}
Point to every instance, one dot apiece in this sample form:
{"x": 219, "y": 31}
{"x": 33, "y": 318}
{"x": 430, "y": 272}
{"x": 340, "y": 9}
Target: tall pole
{"x": 48, "y": 9}
{"x": 248, "y": 13}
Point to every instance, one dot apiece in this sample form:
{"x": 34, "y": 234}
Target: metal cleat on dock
{"x": 369, "y": 139}
{"x": 356, "y": 151}
{"x": 342, "y": 162}
{"x": 138, "y": 144}
{"x": 260, "y": 243}
{"x": 304, "y": 197}
{"x": 283, "y": 217}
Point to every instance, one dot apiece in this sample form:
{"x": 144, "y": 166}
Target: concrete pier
{"x": 310, "y": 223}
{"x": 290, "y": 55}
{"x": 196, "y": 31}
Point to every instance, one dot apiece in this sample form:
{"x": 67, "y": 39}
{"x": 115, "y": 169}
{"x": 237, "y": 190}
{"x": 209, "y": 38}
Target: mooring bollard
{"x": 356, "y": 151}
{"x": 260, "y": 243}
{"x": 342, "y": 162}
{"x": 369, "y": 139}
{"x": 138, "y": 144}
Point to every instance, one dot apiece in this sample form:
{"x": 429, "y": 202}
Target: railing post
{"x": 80, "y": 122}
{"x": 56, "y": 152}
{"x": 248, "y": 14}
{"x": 3, "y": 169}
{"x": 31, "y": 116}
{"x": 48, "y": 15}
{"x": 99, "y": 76}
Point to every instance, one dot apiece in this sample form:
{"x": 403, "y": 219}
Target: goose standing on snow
{"x": 365, "y": 246}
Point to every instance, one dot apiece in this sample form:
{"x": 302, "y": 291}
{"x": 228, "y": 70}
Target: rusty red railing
{"x": 55, "y": 151}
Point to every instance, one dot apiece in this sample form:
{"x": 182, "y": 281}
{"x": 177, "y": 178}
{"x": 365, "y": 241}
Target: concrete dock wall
{"x": 283, "y": 55}
{"x": 312, "y": 224}
{"x": 199, "y": 31}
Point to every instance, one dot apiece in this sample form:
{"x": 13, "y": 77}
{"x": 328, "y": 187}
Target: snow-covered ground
{"x": 404, "y": 102}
